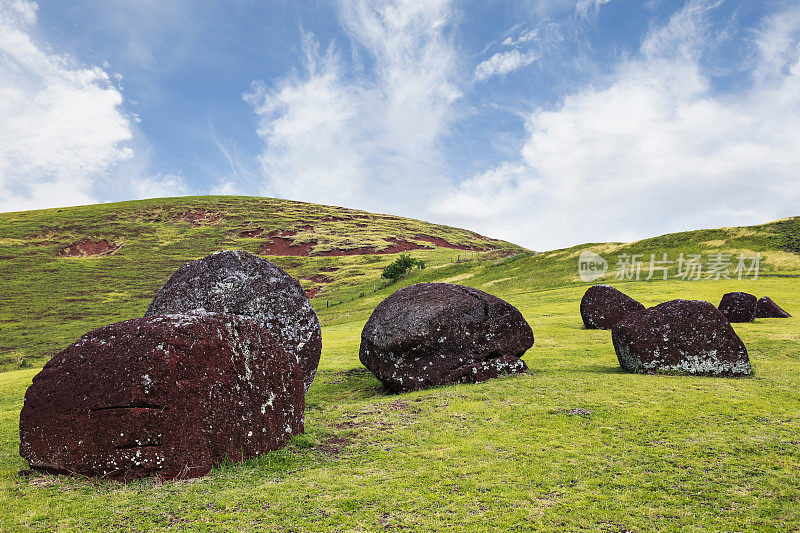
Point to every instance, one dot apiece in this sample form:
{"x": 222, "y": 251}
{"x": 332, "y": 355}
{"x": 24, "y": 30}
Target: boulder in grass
{"x": 602, "y": 306}
{"x": 738, "y": 306}
{"x": 766, "y": 308}
{"x": 435, "y": 333}
{"x": 240, "y": 283}
{"x": 168, "y": 396}
{"x": 680, "y": 336}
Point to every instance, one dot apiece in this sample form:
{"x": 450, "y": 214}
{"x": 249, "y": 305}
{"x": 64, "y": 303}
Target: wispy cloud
{"x": 63, "y": 127}
{"x": 502, "y": 63}
{"x": 654, "y": 149}
{"x": 367, "y": 136}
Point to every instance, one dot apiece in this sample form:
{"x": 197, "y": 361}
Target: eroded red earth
{"x": 87, "y": 247}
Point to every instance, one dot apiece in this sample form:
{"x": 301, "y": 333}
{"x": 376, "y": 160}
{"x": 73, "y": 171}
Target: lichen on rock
{"x": 680, "y": 336}
{"x": 435, "y": 333}
{"x": 167, "y": 396}
{"x": 240, "y": 283}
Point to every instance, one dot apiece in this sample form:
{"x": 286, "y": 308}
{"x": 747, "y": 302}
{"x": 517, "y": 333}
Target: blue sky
{"x": 544, "y": 122}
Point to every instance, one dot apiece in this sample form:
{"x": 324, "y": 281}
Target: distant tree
{"x": 401, "y": 266}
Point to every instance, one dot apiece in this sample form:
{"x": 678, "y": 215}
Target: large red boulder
{"x": 167, "y": 396}
{"x": 738, "y": 306}
{"x": 602, "y": 306}
{"x": 766, "y": 308}
{"x": 680, "y": 336}
{"x": 435, "y": 333}
{"x": 240, "y": 283}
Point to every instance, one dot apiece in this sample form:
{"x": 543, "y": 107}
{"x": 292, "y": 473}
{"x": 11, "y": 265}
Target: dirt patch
{"x": 318, "y": 278}
{"x": 310, "y": 293}
{"x": 285, "y": 246}
{"x": 250, "y": 233}
{"x": 197, "y": 217}
{"x": 88, "y": 248}
{"x": 395, "y": 247}
{"x": 438, "y": 241}
{"x": 332, "y": 446}
{"x": 281, "y": 244}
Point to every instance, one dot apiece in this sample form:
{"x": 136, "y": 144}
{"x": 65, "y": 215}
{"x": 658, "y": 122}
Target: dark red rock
{"x": 738, "y": 306}
{"x": 241, "y": 283}
{"x": 435, "y": 333}
{"x": 167, "y": 396}
{"x": 680, "y": 336}
{"x": 766, "y": 308}
{"x": 602, "y": 306}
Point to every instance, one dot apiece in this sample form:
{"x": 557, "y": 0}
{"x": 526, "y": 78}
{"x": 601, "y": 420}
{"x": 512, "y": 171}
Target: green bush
{"x": 400, "y": 266}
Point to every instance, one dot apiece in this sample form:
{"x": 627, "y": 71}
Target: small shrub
{"x": 401, "y": 266}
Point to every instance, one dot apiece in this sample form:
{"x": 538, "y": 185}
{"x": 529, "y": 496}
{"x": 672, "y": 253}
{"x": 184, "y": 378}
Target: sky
{"x": 547, "y": 123}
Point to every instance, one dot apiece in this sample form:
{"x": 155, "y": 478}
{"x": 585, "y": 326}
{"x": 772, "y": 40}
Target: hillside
{"x": 73, "y": 269}
{"x": 575, "y": 445}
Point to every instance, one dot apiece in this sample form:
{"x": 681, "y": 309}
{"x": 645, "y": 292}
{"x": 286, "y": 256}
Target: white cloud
{"x": 63, "y": 131}
{"x": 502, "y": 63}
{"x": 589, "y": 8}
{"x": 371, "y": 136}
{"x": 524, "y": 37}
{"x": 656, "y": 149}
{"x": 159, "y": 186}
{"x": 61, "y": 124}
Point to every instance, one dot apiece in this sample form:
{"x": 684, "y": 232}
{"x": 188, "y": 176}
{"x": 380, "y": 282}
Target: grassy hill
{"x": 73, "y": 269}
{"x": 574, "y": 445}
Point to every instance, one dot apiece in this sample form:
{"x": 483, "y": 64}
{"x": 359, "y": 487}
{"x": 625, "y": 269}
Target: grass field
{"x": 574, "y": 445}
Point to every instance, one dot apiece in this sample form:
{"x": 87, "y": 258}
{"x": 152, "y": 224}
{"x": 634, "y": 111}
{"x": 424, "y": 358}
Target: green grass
{"x": 65, "y": 297}
{"x": 575, "y": 445}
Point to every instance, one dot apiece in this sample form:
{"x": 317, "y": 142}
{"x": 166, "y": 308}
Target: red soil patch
{"x": 280, "y": 243}
{"x": 398, "y": 246}
{"x": 310, "y": 293}
{"x": 284, "y": 246}
{"x": 438, "y": 241}
{"x": 319, "y": 278}
{"x": 249, "y": 233}
{"x": 197, "y": 217}
{"x": 87, "y": 247}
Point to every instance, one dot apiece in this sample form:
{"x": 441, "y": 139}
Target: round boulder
{"x": 738, "y": 306}
{"x": 602, "y": 306}
{"x": 435, "y": 333}
{"x": 240, "y": 283}
{"x": 766, "y": 308}
{"x": 167, "y": 396}
{"x": 680, "y": 336}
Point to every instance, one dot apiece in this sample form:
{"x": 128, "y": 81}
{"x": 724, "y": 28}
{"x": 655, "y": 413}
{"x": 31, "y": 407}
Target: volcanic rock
{"x": 167, "y": 396}
{"x": 738, "y": 306}
{"x": 435, "y": 333}
{"x": 603, "y": 306}
{"x": 766, "y": 308}
{"x": 240, "y": 283}
{"x": 680, "y": 336}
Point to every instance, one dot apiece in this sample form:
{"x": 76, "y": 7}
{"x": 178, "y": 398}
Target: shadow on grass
{"x": 352, "y": 384}
{"x": 602, "y": 369}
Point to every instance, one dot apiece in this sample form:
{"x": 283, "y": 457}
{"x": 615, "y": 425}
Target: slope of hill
{"x": 65, "y": 271}
{"x": 576, "y": 445}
